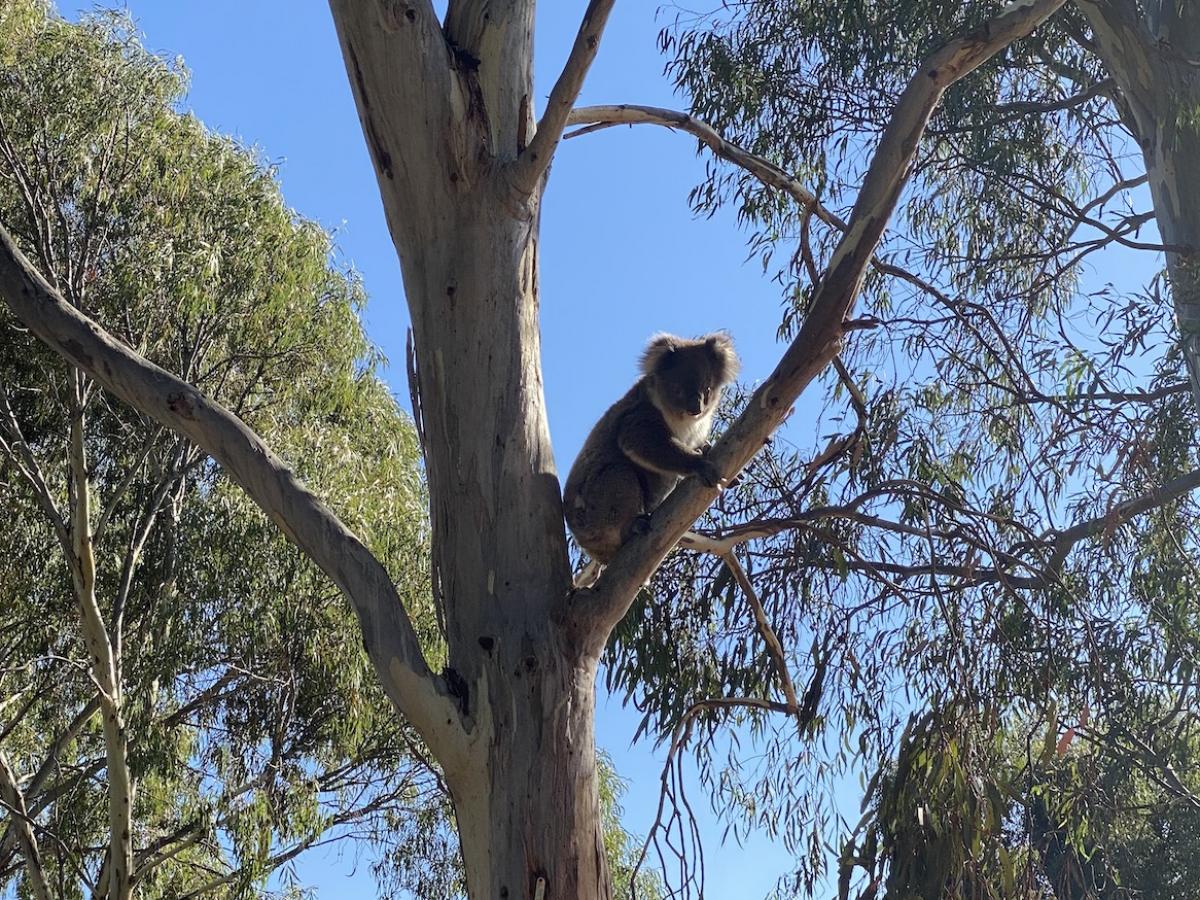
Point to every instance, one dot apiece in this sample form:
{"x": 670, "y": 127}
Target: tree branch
{"x": 105, "y": 671}
{"x": 531, "y": 165}
{"x": 594, "y": 612}
{"x": 388, "y": 633}
{"x": 399, "y": 65}
{"x": 770, "y": 638}
{"x": 14, "y": 800}
{"x": 765, "y": 171}
{"x": 1012, "y": 112}
{"x": 49, "y": 766}
{"x": 1123, "y": 42}
{"x": 1067, "y": 538}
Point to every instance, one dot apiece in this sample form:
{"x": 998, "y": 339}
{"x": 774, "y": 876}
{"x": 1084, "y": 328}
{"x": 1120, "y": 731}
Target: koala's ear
{"x": 720, "y": 345}
{"x": 661, "y": 346}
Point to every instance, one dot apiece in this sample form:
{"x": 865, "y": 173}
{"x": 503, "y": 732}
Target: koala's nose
{"x": 696, "y": 407}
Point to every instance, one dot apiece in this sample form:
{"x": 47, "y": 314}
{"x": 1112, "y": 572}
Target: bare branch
{"x": 531, "y": 165}
{"x": 673, "y": 787}
{"x": 1011, "y": 112}
{"x": 597, "y": 610}
{"x": 167, "y": 848}
{"x": 1154, "y": 396}
{"x": 387, "y": 631}
{"x": 1009, "y": 563}
{"x": 770, "y": 638}
{"x": 49, "y": 766}
{"x": 765, "y": 171}
{"x": 1126, "y": 184}
{"x": 1067, "y": 538}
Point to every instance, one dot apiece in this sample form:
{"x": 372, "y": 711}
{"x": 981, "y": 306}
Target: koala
{"x": 648, "y": 440}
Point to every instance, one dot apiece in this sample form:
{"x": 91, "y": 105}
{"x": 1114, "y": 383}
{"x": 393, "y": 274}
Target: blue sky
{"x": 622, "y": 257}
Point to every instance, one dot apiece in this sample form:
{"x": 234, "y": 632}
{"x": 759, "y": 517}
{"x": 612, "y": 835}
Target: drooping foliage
{"x": 256, "y": 727}
{"x": 979, "y": 528}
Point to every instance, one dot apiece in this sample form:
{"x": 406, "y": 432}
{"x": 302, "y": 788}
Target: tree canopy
{"x": 970, "y": 584}
{"x": 985, "y": 545}
{"x": 252, "y": 732}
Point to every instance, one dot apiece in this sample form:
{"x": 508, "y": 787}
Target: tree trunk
{"x": 1171, "y": 147}
{"x": 447, "y": 114}
{"x": 1151, "y": 54}
{"x": 528, "y": 804}
{"x": 525, "y": 791}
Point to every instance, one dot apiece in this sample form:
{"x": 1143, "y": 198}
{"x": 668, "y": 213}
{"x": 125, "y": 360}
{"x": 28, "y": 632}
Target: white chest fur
{"x": 691, "y": 431}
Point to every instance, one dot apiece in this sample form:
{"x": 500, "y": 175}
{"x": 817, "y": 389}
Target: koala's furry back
{"x": 611, "y": 483}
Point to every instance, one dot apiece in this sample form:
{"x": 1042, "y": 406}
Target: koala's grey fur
{"x": 648, "y": 440}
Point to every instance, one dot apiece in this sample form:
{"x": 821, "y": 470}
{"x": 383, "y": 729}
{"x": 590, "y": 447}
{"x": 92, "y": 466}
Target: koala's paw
{"x": 708, "y": 472}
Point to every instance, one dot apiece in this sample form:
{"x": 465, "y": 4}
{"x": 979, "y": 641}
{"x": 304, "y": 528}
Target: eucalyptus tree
{"x": 1099, "y": 104}
{"x": 180, "y": 715}
{"x": 245, "y": 732}
{"x": 448, "y": 112}
{"x": 978, "y": 573}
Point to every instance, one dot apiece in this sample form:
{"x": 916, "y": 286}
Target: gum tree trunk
{"x": 525, "y": 790}
{"x": 465, "y": 216}
{"x": 1152, "y": 53}
{"x": 1172, "y": 157}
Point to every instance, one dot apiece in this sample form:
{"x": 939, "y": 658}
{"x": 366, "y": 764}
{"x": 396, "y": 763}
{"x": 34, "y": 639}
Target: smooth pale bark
{"x": 464, "y": 211}
{"x": 117, "y": 874}
{"x": 1154, "y": 57}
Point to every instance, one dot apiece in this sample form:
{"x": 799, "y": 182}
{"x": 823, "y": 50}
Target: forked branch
{"x": 594, "y": 612}
{"x": 535, "y": 159}
{"x": 387, "y": 631}
{"x": 765, "y": 631}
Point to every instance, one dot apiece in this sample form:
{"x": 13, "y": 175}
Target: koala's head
{"x": 687, "y": 376}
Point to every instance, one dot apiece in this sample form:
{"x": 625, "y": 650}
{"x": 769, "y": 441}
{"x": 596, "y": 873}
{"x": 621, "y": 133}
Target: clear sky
{"x": 622, "y": 257}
